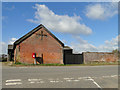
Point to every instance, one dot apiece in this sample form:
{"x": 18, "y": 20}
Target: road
{"x": 60, "y": 77}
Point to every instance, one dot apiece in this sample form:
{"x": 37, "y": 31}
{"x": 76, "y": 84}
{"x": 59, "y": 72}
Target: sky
{"x": 84, "y": 26}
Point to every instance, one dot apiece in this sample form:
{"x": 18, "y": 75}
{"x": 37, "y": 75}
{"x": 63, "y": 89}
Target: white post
{"x": 35, "y": 61}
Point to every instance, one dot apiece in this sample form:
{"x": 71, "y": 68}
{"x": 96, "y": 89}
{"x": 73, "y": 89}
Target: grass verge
{"x": 88, "y": 64}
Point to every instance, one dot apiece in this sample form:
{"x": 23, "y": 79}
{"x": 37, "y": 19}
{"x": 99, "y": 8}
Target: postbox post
{"x": 34, "y": 56}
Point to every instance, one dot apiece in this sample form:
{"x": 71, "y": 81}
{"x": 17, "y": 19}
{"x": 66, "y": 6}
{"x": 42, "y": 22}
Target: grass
{"x": 24, "y": 64}
{"x": 88, "y": 64}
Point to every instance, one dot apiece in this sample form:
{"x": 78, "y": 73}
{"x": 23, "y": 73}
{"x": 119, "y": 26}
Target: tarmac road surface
{"x": 60, "y": 77}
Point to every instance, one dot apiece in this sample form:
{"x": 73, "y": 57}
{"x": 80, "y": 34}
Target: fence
{"x": 73, "y": 59}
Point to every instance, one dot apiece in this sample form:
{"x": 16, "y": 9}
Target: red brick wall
{"x": 99, "y": 57}
{"x": 50, "y": 48}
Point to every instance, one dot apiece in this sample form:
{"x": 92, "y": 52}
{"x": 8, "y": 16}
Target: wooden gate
{"x": 73, "y": 59}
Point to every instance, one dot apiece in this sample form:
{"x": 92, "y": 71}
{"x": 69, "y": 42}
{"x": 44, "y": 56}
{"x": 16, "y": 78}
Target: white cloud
{"x": 12, "y": 40}
{"x": 110, "y": 45}
{"x": 102, "y": 11}
{"x": 83, "y": 45}
{"x": 59, "y": 23}
{"x": 4, "y": 45}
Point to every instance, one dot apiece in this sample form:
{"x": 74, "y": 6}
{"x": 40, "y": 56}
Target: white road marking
{"x": 109, "y": 76}
{"x": 82, "y": 77}
{"x": 72, "y": 80}
{"x": 68, "y": 78}
{"x": 54, "y": 81}
{"x": 18, "y": 83}
{"x": 13, "y": 80}
{"x": 34, "y": 79}
{"x": 76, "y": 80}
{"x": 32, "y": 82}
{"x": 89, "y": 78}
{"x": 114, "y": 75}
{"x": 106, "y": 76}
{"x": 98, "y": 77}
{"x": 41, "y": 82}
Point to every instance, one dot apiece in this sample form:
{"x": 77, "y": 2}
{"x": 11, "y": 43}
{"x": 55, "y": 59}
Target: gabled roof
{"x": 33, "y": 31}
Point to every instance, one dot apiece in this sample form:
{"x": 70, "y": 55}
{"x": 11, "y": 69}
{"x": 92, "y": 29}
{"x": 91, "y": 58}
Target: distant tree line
{"x": 116, "y": 51}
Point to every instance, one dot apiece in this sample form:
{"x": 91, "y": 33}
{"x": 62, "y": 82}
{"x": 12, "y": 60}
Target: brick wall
{"x": 99, "y": 57}
{"x": 50, "y": 48}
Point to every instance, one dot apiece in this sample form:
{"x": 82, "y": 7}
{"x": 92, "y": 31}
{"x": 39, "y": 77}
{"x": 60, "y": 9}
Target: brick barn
{"x": 48, "y": 48}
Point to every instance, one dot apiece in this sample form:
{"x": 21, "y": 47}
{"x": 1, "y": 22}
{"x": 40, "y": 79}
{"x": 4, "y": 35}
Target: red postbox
{"x": 33, "y": 55}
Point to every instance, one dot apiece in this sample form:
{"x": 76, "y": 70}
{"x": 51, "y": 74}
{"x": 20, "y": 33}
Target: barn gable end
{"x": 42, "y": 42}
{"x": 33, "y": 31}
